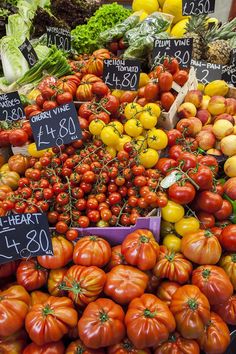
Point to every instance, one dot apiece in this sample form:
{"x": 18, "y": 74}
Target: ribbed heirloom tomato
{"x": 124, "y": 283}
{"x": 31, "y": 275}
{"x": 56, "y": 282}
{"x": 51, "y": 348}
{"x": 126, "y": 347}
{"x": 148, "y": 321}
{"x": 166, "y": 290}
{"x": 177, "y": 344}
{"x": 102, "y": 324}
{"x": 77, "y": 347}
{"x": 116, "y": 258}
{"x": 14, "y": 344}
{"x": 228, "y": 263}
{"x": 92, "y": 251}
{"x": 50, "y": 321}
{"x": 191, "y": 310}
{"x": 227, "y": 310}
{"x": 140, "y": 249}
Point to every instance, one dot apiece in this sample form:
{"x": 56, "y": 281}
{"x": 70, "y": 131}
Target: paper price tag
{"x": 11, "y": 108}
{"x": 121, "y": 74}
{"x": 24, "y": 236}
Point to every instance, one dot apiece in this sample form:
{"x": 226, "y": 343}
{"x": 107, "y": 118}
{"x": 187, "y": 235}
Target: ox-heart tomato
{"x": 124, "y": 283}
{"x": 102, "y": 324}
{"x": 50, "y": 321}
{"x": 78, "y": 347}
{"x": 140, "y": 249}
{"x": 166, "y": 290}
{"x": 148, "y": 321}
{"x": 191, "y": 310}
{"x": 126, "y": 347}
{"x": 92, "y": 251}
{"x": 117, "y": 258}
{"x": 227, "y": 310}
{"x": 213, "y": 282}
{"x": 14, "y": 344}
{"x": 51, "y": 348}
{"x": 14, "y": 303}
{"x": 31, "y": 275}
{"x": 38, "y": 297}
{"x": 177, "y": 344}
{"x": 56, "y": 282}
{"x": 228, "y": 263}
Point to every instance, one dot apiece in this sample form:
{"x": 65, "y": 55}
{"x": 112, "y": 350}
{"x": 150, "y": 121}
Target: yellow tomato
{"x": 139, "y": 143}
{"x": 32, "y": 150}
{"x": 148, "y": 158}
{"x": 33, "y": 94}
{"x": 5, "y": 168}
{"x": 143, "y": 80}
{"x": 132, "y": 110}
{"x": 117, "y": 93}
{"x": 133, "y": 127}
{"x": 122, "y": 141}
{"x": 109, "y": 136}
{"x": 153, "y": 109}
{"x": 96, "y": 126}
{"x": 117, "y": 125}
{"x": 187, "y": 225}
{"x": 172, "y": 242}
{"x": 148, "y": 120}
{"x": 111, "y": 150}
{"x": 172, "y": 212}
{"x": 157, "y": 139}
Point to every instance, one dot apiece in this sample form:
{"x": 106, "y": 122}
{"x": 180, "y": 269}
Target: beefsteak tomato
{"x": 77, "y": 347}
{"x": 228, "y": 263}
{"x": 102, "y": 324}
{"x": 227, "y": 310}
{"x": 14, "y": 344}
{"x": 178, "y": 345}
{"x": 140, "y": 249}
{"x": 51, "y": 348}
{"x": 148, "y": 321}
{"x": 84, "y": 284}
{"x": 124, "y": 283}
{"x": 126, "y": 347}
{"x": 116, "y": 258}
{"x": 213, "y": 282}
{"x": 14, "y": 303}
{"x": 166, "y": 291}
{"x": 8, "y": 269}
{"x": 92, "y": 251}
{"x": 50, "y": 321}
{"x": 56, "y": 282}
{"x": 173, "y": 266}
{"x": 201, "y": 247}
{"x": 63, "y": 253}
{"x": 31, "y": 275}
{"x": 191, "y": 310}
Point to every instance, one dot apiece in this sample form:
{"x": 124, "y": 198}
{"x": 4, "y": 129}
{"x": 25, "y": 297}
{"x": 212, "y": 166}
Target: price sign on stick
{"x": 60, "y": 37}
{"x": 179, "y": 48}
{"x": 11, "y": 108}
{"x": 24, "y": 236}
{"x": 198, "y": 7}
{"x": 56, "y": 127}
{"x": 29, "y": 53}
{"x": 207, "y": 72}
{"x": 121, "y": 74}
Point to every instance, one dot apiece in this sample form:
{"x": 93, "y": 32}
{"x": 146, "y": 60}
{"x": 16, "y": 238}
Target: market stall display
{"x": 117, "y": 178}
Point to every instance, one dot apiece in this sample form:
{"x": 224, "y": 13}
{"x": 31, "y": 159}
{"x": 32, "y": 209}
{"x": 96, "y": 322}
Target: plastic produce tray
{"x": 115, "y": 235}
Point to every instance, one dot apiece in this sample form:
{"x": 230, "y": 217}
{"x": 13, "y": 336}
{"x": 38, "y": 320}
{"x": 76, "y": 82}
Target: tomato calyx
{"x": 47, "y": 311}
{"x": 206, "y": 273}
{"x": 233, "y": 257}
{"x": 144, "y": 239}
{"x": 147, "y": 313}
{"x": 172, "y": 338}
{"x": 79, "y": 350}
{"x": 193, "y": 305}
{"x": 127, "y": 345}
{"x": 170, "y": 257}
{"x": 103, "y": 316}
{"x": 93, "y": 238}
{"x": 208, "y": 233}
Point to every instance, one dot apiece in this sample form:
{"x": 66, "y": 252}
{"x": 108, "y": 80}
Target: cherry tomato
{"x": 30, "y": 109}
{"x": 64, "y": 97}
{"x": 72, "y": 234}
{"x": 61, "y": 227}
{"x": 40, "y": 100}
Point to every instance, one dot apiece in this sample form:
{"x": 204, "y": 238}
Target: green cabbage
{"x": 13, "y": 62}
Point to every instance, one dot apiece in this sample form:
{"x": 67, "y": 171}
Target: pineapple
{"x": 217, "y": 44}
{"x": 195, "y": 29}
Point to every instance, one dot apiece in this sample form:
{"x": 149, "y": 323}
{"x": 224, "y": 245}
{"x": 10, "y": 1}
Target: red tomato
{"x": 207, "y": 220}
{"x": 182, "y": 192}
{"x": 225, "y": 211}
{"x": 67, "y": 86}
{"x": 4, "y": 138}
{"x": 175, "y": 151}
{"x": 18, "y": 137}
{"x": 202, "y": 176}
{"x": 209, "y": 201}
{"x": 40, "y": 100}
{"x": 167, "y": 99}
{"x": 110, "y": 103}
{"x": 151, "y": 92}
{"x": 187, "y": 161}
{"x": 185, "y": 126}
{"x": 51, "y": 348}
{"x": 47, "y": 105}
{"x": 181, "y": 77}
{"x": 100, "y": 89}
{"x": 171, "y": 64}
{"x": 209, "y": 161}
{"x": 31, "y": 108}
{"x": 27, "y": 128}
{"x": 165, "y": 164}
{"x": 173, "y": 135}
{"x": 127, "y": 97}
{"x": 228, "y": 238}
{"x": 85, "y": 110}
{"x": 165, "y": 81}
{"x": 64, "y": 97}
{"x": 30, "y": 275}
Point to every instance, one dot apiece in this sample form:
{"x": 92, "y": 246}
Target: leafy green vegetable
{"x": 55, "y": 65}
{"x": 42, "y": 51}
{"x": 85, "y": 37}
{"x": 18, "y": 27}
{"x": 13, "y": 62}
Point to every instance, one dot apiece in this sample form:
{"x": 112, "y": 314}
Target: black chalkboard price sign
{"x": 11, "y": 108}
{"x": 121, "y": 74}
{"x": 24, "y": 236}
{"x": 198, "y": 7}
{"x": 179, "y": 48}
{"x": 56, "y": 127}
{"x": 207, "y": 72}
{"x": 59, "y": 37}
{"x": 229, "y": 74}
{"x": 29, "y": 53}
